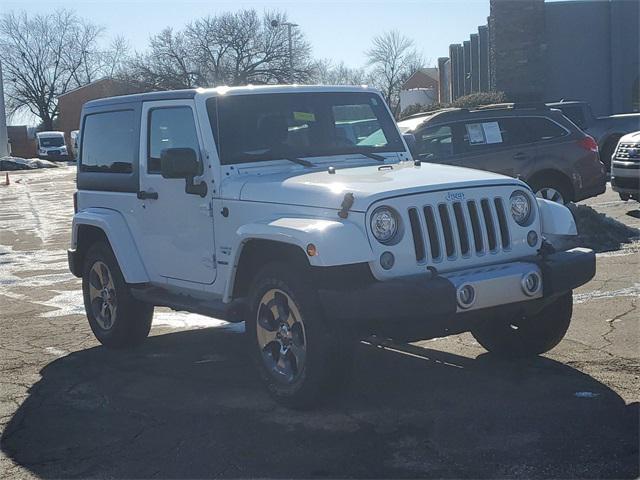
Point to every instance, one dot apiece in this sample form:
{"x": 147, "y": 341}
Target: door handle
{"x": 521, "y": 156}
{"x": 143, "y": 195}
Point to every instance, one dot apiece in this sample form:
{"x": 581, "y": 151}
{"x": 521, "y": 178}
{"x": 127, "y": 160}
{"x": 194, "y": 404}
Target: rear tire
{"x": 302, "y": 359}
{"x": 527, "y": 335}
{"x": 116, "y": 318}
{"x": 553, "y": 189}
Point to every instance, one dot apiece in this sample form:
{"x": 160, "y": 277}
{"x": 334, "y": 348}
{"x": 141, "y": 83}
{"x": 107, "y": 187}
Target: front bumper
{"x": 626, "y": 180}
{"x": 418, "y": 301}
{"x": 54, "y": 156}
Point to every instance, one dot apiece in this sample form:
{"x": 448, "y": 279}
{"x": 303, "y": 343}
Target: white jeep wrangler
{"x": 300, "y": 211}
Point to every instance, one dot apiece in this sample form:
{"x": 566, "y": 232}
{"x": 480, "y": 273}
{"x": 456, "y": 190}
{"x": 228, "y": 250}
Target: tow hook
{"x": 546, "y": 248}
{"x": 347, "y": 203}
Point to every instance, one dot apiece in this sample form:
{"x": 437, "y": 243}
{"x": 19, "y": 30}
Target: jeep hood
{"x": 368, "y": 184}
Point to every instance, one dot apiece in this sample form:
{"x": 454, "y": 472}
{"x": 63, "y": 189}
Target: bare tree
{"x": 168, "y": 64}
{"x": 115, "y": 57}
{"x": 244, "y": 48}
{"x": 229, "y": 49}
{"x": 44, "y": 56}
{"x": 210, "y": 50}
{"x": 328, "y": 73}
{"x": 392, "y": 58}
{"x": 99, "y": 63}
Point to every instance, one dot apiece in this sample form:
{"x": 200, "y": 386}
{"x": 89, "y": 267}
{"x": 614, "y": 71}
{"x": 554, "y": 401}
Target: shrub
{"x": 477, "y": 99}
{"x": 473, "y": 100}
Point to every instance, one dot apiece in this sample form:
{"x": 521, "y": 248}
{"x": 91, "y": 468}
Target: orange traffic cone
{"x": 6, "y": 179}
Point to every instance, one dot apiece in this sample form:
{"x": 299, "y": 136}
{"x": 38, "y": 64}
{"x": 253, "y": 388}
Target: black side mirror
{"x": 411, "y": 142}
{"x": 183, "y": 163}
{"x": 179, "y": 163}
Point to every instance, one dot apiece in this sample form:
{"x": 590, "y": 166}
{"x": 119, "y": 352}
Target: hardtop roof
{"x": 249, "y": 89}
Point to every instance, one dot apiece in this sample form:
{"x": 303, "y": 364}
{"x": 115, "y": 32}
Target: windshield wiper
{"x": 299, "y": 161}
{"x": 374, "y": 156}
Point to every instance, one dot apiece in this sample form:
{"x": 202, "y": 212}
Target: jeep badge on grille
{"x": 455, "y": 196}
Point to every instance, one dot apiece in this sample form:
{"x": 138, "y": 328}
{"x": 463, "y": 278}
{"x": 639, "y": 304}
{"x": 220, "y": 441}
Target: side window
{"x": 492, "y": 134}
{"x": 575, "y": 114}
{"x": 435, "y": 142}
{"x": 515, "y": 131}
{"x": 357, "y": 125}
{"x": 170, "y": 127}
{"x": 483, "y": 135}
{"x": 541, "y": 129}
{"x": 108, "y": 143}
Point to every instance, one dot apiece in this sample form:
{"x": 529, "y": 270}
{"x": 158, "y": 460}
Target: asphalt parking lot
{"x": 188, "y": 403}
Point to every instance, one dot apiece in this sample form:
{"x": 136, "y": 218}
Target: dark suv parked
{"x": 532, "y": 142}
{"x": 605, "y": 130}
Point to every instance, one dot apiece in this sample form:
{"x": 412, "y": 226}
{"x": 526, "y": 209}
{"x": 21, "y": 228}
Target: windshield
{"x": 261, "y": 127}
{"x": 51, "y": 141}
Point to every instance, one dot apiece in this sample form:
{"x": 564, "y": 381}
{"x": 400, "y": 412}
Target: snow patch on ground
{"x": 65, "y": 303}
{"x": 191, "y": 320}
{"x": 633, "y": 291}
{"x": 20, "y": 269}
{"x": 597, "y": 231}
{"x": 56, "y": 351}
{"x": 16, "y": 163}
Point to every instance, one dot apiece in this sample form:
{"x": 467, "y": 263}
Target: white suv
{"x": 300, "y": 211}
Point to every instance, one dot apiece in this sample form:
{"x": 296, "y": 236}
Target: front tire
{"x": 527, "y": 335}
{"x": 116, "y": 318}
{"x": 301, "y": 358}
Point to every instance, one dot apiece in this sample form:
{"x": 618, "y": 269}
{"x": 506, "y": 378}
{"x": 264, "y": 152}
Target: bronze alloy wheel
{"x": 281, "y": 336}
{"x": 102, "y": 295}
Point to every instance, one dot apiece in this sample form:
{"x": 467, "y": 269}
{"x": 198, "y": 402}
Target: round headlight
{"x": 384, "y": 224}
{"x": 520, "y": 207}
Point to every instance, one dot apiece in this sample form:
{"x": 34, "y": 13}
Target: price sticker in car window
{"x": 492, "y": 132}
{"x": 304, "y": 117}
{"x": 476, "y": 133}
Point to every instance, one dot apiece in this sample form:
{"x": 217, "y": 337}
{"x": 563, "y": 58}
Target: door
{"x": 175, "y": 227}
{"x": 500, "y": 145}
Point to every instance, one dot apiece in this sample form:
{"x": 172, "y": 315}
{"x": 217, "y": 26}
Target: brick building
{"x": 70, "y": 103}
{"x": 547, "y": 51}
{"x": 421, "y": 87}
{"x": 22, "y": 141}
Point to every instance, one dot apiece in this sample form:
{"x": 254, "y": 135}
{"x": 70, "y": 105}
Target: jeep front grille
{"x": 460, "y": 229}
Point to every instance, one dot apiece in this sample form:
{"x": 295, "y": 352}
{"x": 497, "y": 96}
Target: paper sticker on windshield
{"x": 476, "y": 133}
{"x": 492, "y": 132}
{"x": 304, "y": 117}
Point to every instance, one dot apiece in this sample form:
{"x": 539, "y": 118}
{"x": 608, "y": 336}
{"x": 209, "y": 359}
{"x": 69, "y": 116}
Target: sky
{"x": 341, "y": 31}
{"x": 337, "y": 30}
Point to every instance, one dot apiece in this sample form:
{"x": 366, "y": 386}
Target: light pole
{"x": 4, "y": 139}
{"x": 289, "y": 25}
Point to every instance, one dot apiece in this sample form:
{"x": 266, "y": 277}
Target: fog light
{"x": 387, "y": 260}
{"x": 466, "y": 295}
{"x": 531, "y": 283}
{"x": 532, "y": 238}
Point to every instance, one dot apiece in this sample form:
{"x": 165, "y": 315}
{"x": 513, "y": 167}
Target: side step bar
{"x": 229, "y": 312}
